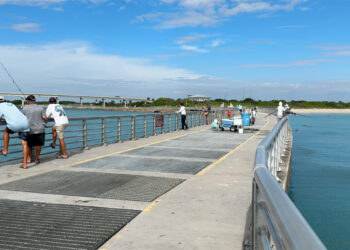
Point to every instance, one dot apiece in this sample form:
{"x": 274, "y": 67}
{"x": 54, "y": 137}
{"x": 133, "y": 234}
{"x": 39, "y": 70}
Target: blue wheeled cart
{"x": 235, "y": 125}
{"x": 226, "y": 123}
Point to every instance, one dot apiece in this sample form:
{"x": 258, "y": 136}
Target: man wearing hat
{"x": 56, "y": 111}
{"x": 15, "y": 122}
{"x": 36, "y": 118}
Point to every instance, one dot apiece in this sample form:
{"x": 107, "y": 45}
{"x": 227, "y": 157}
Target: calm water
{"x": 320, "y": 182}
{"x": 87, "y": 113}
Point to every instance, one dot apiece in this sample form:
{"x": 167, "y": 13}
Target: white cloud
{"x": 26, "y": 27}
{"x": 339, "y": 53}
{"x": 187, "y": 39}
{"x": 298, "y": 63}
{"x": 217, "y": 43}
{"x": 335, "y": 50}
{"x": 74, "y": 67}
{"x": 45, "y": 3}
{"x": 290, "y": 26}
{"x": 333, "y": 47}
{"x": 193, "y": 13}
{"x": 31, "y": 2}
{"x": 193, "y": 48}
{"x": 187, "y": 19}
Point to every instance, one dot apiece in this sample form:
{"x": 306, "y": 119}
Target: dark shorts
{"x": 9, "y": 131}
{"x": 36, "y": 140}
{"x": 23, "y": 136}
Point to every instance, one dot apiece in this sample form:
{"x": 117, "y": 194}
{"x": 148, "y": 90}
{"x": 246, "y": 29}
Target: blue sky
{"x": 234, "y": 49}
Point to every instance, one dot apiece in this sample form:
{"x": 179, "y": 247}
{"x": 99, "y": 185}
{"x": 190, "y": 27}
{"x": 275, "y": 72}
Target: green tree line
{"x": 248, "y": 102}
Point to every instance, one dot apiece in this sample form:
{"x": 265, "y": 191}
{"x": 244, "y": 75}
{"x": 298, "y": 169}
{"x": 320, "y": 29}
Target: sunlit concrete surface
{"x": 208, "y": 173}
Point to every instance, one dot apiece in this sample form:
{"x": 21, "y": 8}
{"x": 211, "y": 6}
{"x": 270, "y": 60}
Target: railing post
{"x": 191, "y": 120}
{"x": 176, "y": 123}
{"x": 103, "y": 121}
{"x": 163, "y": 124}
{"x": 133, "y": 130}
{"x": 84, "y": 134}
{"x": 169, "y": 121}
{"x": 154, "y": 124}
{"x": 119, "y": 130}
{"x": 145, "y": 126}
{"x": 254, "y": 215}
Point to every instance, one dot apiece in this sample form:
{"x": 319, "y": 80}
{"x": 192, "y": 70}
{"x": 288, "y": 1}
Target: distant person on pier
{"x": 57, "y": 112}
{"x": 286, "y": 109}
{"x": 208, "y": 113}
{"x": 15, "y": 122}
{"x": 280, "y": 111}
{"x": 240, "y": 108}
{"x": 36, "y": 118}
{"x": 253, "y": 115}
{"x": 182, "y": 111}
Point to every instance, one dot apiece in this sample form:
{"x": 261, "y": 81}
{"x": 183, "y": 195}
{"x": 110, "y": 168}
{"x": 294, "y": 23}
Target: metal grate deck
{"x": 98, "y": 185}
{"x": 146, "y": 164}
{"x": 35, "y": 225}
{"x": 176, "y": 152}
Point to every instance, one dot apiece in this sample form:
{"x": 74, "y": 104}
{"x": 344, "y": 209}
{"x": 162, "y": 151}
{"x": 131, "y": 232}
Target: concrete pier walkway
{"x": 183, "y": 190}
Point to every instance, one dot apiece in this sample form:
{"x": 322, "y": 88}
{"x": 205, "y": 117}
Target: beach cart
{"x": 235, "y": 125}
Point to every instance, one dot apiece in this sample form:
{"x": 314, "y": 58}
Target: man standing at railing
{"x": 280, "y": 110}
{"x": 36, "y": 118}
{"x": 15, "y": 122}
{"x": 57, "y": 112}
{"x": 182, "y": 111}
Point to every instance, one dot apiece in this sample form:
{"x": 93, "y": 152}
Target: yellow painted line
{"x": 111, "y": 241}
{"x": 130, "y": 149}
{"x": 203, "y": 171}
{"x": 150, "y": 206}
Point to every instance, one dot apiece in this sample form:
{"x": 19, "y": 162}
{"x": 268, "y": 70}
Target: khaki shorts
{"x": 60, "y": 129}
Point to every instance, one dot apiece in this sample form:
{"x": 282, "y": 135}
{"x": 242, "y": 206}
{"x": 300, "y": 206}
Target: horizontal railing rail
{"x": 86, "y": 132}
{"x": 277, "y": 223}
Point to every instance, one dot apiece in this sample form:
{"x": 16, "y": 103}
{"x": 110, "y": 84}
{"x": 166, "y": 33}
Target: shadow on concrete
{"x": 247, "y": 240}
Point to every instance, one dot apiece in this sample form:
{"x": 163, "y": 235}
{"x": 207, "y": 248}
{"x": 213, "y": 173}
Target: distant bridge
{"x": 81, "y": 97}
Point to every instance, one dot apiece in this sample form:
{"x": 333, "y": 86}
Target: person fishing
{"x": 280, "y": 111}
{"x": 182, "y": 111}
{"x": 207, "y": 114}
{"x": 57, "y": 112}
{"x": 15, "y": 122}
{"x": 36, "y": 117}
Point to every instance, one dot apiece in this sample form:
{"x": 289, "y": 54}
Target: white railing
{"x": 86, "y": 132}
{"x": 277, "y": 223}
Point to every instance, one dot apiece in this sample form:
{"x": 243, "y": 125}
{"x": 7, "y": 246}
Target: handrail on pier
{"x": 86, "y": 132}
{"x": 277, "y": 223}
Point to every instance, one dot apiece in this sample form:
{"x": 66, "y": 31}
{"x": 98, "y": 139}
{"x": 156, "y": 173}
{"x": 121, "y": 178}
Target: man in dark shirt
{"x": 36, "y": 118}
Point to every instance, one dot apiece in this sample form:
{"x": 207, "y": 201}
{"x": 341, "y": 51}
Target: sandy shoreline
{"x": 321, "y": 111}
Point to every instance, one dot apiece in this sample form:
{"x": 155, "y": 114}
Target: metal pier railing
{"x": 277, "y": 223}
{"x": 86, "y": 132}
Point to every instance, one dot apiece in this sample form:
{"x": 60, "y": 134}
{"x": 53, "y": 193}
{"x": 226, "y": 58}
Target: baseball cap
{"x": 52, "y": 100}
{"x": 30, "y": 98}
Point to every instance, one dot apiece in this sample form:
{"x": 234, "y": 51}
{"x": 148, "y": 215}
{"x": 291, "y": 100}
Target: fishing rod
{"x": 13, "y": 80}
{"x": 292, "y": 113}
{"x": 270, "y": 113}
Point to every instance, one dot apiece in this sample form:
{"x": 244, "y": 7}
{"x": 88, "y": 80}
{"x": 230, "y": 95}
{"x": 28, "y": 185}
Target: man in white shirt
{"x": 182, "y": 111}
{"x": 57, "y": 112}
{"x": 253, "y": 116}
{"x": 280, "y": 110}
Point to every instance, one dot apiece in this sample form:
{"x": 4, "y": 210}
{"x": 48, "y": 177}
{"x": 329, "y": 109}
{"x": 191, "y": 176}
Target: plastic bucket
{"x": 246, "y": 119}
